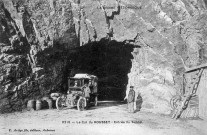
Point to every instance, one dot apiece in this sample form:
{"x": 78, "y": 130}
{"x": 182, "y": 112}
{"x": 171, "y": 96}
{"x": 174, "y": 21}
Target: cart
{"x": 75, "y": 96}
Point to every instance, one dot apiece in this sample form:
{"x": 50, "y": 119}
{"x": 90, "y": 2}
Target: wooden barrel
{"x": 49, "y": 101}
{"x": 30, "y": 104}
{"x": 38, "y": 104}
{"x": 45, "y": 98}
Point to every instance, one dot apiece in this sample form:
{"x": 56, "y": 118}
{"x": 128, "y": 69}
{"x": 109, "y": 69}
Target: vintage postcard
{"x": 103, "y": 67}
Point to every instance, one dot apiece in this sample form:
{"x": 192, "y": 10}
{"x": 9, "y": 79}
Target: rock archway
{"x": 110, "y": 61}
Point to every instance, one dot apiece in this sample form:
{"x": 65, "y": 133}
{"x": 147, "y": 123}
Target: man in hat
{"x": 87, "y": 92}
{"x": 131, "y": 99}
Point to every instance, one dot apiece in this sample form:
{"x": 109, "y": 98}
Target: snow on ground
{"x": 109, "y": 118}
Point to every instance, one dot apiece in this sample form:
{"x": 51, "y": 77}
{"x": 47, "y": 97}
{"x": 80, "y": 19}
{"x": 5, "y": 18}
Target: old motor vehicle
{"x": 76, "y": 95}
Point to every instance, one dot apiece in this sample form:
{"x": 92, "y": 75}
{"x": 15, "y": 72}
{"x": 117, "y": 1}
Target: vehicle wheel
{"x": 175, "y": 101}
{"x": 59, "y": 103}
{"x": 81, "y": 104}
{"x": 96, "y": 101}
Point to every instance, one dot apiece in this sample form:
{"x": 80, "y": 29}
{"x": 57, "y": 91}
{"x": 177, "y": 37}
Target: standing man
{"x": 87, "y": 92}
{"x": 131, "y": 99}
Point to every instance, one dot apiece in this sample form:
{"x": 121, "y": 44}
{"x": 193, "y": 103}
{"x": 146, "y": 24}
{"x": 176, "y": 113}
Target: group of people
{"x": 86, "y": 89}
{"x": 130, "y": 99}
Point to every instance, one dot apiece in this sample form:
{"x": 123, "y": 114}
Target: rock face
{"x": 169, "y": 36}
{"x": 31, "y": 33}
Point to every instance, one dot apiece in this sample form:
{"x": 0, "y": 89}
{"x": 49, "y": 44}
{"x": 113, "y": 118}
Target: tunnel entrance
{"x": 110, "y": 61}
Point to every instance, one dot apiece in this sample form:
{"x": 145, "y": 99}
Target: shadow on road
{"x": 104, "y": 104}
{"x": 101, "y": 104}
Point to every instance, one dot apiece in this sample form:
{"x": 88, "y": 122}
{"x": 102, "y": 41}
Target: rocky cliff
{"x": 35, "y": 38}
{"x": 169, "y": 36}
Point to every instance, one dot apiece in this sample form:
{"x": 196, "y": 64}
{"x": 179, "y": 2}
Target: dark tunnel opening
{"x": 110, "y": 61}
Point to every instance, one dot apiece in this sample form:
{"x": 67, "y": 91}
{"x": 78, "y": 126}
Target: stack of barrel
{"x": 38, "y": 103}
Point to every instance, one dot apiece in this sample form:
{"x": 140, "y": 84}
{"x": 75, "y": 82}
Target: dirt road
{"x": 109, "y": 118}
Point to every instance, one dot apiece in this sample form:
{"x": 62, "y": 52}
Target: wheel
{"x": 174, "y": 101}
{"x": 59, "y": 103}
{"x": 96, "y": 101}
{"x": 81, "y": 103}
